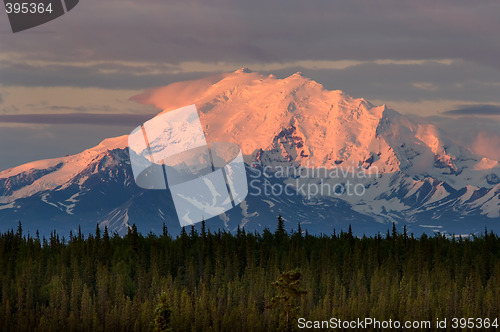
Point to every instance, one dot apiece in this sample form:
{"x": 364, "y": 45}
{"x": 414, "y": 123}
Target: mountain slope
{"x": 414, "y": 172}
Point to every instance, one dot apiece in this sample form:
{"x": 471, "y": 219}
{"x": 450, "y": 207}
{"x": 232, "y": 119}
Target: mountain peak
{"x": 244, "y": 70}
{"x": 254, "y": 111}
{"x": 293, "y": 121}
{"x": 119, "y": 142}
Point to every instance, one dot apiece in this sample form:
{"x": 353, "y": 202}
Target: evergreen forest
{"x": 203, "y": 280}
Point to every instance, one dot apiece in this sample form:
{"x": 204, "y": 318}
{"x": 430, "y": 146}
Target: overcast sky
{"x": 439, "y": 59}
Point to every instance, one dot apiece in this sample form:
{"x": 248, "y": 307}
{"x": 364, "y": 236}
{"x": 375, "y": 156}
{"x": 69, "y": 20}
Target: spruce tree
{"x": 287, "y": 299}
{"x": 161, "y": 321}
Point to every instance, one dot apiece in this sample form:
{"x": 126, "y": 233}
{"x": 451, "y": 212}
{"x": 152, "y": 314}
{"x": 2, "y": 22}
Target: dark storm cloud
{"x": 475, "y": 110}
{"x": 77, "y": 118}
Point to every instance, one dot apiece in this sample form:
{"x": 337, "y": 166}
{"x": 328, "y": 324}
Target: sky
{"x": 66, "y": 85}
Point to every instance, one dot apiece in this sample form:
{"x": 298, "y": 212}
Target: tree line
{"x": 218, "y": 281}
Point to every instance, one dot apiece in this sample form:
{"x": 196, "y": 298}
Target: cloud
{"x": 260, "y": 31}
{"x": 458, "y": 80}
{"x": 378, "y": 79}
{"x": 428, "y": 86}
{"x": 1, "y": 98}
{"x": 481, "y": 134}
{"x": 77, "y": 118}
{"x": 487, "y": 144}
{"x": 103, "y": 75}
{"x": 174, "y": 95}
{"x": 67, "y": 109}
{"x": 394, "y": 50}
{"x": 479, "y": 109}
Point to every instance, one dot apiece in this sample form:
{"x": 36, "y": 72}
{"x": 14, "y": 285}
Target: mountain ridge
{"x": 292, "y": 122}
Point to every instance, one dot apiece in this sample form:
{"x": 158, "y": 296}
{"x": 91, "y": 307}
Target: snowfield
{"x": 419, "y": 172}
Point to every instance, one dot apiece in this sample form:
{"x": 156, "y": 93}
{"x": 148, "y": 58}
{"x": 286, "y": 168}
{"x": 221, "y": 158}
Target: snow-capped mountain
{"x": 414, "y": 173}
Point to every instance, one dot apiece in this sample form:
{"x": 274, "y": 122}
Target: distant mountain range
{"x": 414, "y": 174}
